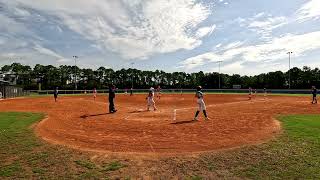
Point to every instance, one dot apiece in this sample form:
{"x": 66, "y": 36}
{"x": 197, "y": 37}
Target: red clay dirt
{"x": 79, "y": 122}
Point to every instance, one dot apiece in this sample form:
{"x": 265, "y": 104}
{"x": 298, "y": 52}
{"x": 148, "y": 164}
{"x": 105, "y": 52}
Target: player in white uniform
{"x": 265, "y": 93}
{"x": 94, "y": 92}
{"x": 201, "y": 104}
{"x": 151, "y": 100}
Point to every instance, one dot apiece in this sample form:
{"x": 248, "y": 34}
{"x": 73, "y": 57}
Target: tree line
{"x": 65, "y": 77}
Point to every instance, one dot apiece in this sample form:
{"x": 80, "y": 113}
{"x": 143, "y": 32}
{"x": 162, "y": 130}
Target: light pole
{"x": 219, "y": 62}
{"x": 75, "y": 72}
{"x": 289, "y": 53}
{"x": 132, "y": 74}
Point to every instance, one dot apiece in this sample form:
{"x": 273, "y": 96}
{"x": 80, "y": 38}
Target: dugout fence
{"x": 176, "y": 91}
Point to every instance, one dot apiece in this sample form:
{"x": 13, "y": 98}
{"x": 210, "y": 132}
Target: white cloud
{"x": 64, "y": 60}
{"x": 205, "y": 31}
{"x": 233, "y": 45}
{"x": 134, "y": 29}
{"x": 218, "y": 45}
{"x": 310, "y": 10}
{"x": 272, "y": 51}
{"x": 266, "y": 26}
{"x": 263, "y": 24}
{"x": 47, "y": 52}
{"x": 20, "y": 42}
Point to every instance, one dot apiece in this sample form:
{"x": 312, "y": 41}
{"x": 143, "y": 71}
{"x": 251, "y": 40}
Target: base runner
{"x": 151, "y": 100}
{"x": 201, "y": 104}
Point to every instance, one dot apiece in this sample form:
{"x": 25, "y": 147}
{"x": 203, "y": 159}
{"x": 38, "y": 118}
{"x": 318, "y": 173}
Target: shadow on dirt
{"x": 138, "y": 111}
{"x": 93, "y": 115}
{"x": 184, "y": 122}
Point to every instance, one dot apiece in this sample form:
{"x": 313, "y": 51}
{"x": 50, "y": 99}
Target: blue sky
{"x": 250, "y": 37}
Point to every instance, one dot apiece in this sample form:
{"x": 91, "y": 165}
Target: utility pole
{"x": 219, "y": 62}
{"x": 75, "y": 72}
{"x": 289, "y": 53}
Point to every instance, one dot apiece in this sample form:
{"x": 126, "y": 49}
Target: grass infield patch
{"x": 293, "y": 155}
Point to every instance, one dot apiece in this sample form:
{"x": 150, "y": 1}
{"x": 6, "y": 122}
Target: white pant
{"x": 151, "y": 103}
{"x": 201, "y": 105}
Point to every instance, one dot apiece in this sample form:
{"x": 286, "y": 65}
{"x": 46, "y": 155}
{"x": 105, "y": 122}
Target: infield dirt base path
{"x": 79, "y": 122}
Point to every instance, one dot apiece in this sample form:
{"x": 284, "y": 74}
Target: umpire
{"x": 112, "y": 95}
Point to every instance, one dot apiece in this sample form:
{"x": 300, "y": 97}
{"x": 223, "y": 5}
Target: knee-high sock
{"x": 197, "y": 113}
{"x": 205, "y": 113}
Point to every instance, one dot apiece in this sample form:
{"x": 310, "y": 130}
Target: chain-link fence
{"x": 178, "y": 91}
{"x": 12, "y": 92}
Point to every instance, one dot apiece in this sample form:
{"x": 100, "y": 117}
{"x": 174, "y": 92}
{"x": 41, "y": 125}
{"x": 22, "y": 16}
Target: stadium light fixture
{"x": 289, "y": 53}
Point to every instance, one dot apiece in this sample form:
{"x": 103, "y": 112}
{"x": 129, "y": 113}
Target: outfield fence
{"x": 175, "y": 91}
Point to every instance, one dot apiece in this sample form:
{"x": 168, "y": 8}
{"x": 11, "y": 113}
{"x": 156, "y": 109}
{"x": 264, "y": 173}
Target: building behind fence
{"x": 8, "y": 91}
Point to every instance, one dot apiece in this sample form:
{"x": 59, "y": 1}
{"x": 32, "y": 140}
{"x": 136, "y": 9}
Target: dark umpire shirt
{"x": 314, "y": 92}
{"x": 112, "y": 94}
{"x": 55, "y": 92}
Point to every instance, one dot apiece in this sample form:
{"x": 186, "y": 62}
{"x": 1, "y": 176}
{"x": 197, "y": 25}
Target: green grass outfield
{"x": 295, "y": 154}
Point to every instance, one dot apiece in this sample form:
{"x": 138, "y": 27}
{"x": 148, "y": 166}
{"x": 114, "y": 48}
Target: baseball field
{"x": 266, "y": 137}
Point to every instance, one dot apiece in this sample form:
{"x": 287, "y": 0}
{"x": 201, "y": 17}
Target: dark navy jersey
{"x": 55, "y": 92}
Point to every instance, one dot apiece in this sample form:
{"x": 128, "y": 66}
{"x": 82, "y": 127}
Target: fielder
{"x": 151, "y": 100}
{"x": 250, "y": 93}
{"x": 55, "y": 94}
{"x": 314, "y": 95}
{"x": 158, "y": 92}
{"x": 201, "y": 104}
{"x": 131, "y": 91}
{"x": 94, "y": 94}
{"x": 265, "y": 93}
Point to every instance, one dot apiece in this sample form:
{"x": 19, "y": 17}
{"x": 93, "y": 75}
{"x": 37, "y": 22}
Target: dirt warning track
{"x": 79, "y": 122}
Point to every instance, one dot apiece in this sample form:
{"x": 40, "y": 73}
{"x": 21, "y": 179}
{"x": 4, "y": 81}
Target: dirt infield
{"x": 82, "y": 123}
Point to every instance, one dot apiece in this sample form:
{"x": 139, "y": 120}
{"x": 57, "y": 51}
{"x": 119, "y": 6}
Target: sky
{"x": 249, "y": 37}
